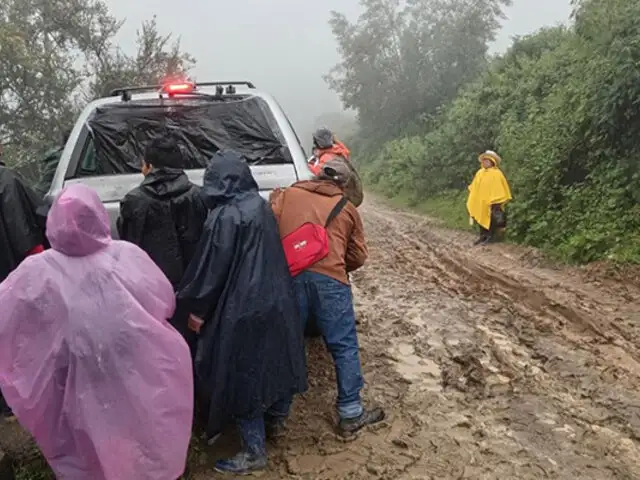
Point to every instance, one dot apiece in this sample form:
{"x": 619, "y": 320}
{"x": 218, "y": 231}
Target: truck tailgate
{"x": 112, "y": 188}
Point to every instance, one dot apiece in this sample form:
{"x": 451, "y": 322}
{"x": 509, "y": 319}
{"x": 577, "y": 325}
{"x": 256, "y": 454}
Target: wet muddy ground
{"x": 490, "y": 362}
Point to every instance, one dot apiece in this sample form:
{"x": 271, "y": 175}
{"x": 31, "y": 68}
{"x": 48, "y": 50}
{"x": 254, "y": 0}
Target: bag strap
{"x": 336, "y": 211}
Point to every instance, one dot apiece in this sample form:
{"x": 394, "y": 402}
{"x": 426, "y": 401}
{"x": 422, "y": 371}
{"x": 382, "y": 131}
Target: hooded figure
{"x": 326, "y": 147}
{"x": 488, "y": 194}
{"x": 88, "y": 362}
{"x": 21, "y": 231}
{"x": 250, "y": 351}
{"x": 325, "y": 142}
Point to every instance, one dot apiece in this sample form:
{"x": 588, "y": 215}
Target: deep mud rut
{"x": 489, "y": 363}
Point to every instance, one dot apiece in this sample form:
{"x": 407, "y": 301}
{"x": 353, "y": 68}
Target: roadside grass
{"x": 449, "y": 208}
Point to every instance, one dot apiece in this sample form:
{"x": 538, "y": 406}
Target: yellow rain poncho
{"x": 489, "y": 187}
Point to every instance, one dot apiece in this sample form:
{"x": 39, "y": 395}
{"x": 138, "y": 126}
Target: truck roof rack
{"x": 214, "y": 84}
{"x": 126, "y": 91}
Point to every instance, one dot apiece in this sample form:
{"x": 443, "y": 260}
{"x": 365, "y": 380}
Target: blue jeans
{"x": 330, "y": 303}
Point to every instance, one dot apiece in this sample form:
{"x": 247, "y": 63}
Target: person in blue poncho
{"x": 250, "y": 353}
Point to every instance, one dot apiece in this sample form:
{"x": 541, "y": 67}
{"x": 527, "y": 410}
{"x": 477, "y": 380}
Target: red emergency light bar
{"x": 172, "y": 87}
{"x": 182, "y": 87}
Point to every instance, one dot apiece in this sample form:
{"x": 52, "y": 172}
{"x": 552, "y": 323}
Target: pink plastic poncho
{"x": 88, "y": 362}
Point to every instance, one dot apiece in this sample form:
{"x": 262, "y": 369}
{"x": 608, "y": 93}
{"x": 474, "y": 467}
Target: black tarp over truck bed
{"x": 201, "y": 125}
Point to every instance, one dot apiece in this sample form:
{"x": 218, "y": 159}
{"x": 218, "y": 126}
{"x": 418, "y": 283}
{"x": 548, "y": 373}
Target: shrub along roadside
{"x": 562, "y": 107}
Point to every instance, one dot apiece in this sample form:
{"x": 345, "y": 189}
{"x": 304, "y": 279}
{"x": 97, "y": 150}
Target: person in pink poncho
{"x": 88, "y": 362}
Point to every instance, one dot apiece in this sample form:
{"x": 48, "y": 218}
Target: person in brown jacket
{"x": 323, "y": 290}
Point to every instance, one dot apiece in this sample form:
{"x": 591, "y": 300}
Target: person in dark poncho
{"x": 251, "y": 344}
{"x": 21, "y": 234}
{"x": 164, "y": 216}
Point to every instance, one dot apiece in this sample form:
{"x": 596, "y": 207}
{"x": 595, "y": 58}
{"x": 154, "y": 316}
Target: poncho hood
{"x": 78, "y": 224}
{"x": 227, "y": 178}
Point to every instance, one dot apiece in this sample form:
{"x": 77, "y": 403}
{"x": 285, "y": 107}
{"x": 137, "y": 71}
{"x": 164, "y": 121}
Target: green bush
{"x": 562, "y": 107}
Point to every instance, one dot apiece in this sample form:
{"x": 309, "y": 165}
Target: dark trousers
{"x": 497, "y": 215}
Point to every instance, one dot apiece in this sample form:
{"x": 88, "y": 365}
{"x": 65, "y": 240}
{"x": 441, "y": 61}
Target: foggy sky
{"x": 283, "y": 46}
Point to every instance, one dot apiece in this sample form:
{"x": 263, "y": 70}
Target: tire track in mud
{"x": 546, "y": 361}
{"x": 488, "y": 368}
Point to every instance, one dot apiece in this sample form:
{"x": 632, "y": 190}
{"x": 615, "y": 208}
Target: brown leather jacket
{"x": 312, "y": 201}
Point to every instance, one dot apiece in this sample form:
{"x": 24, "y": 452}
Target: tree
{"x": 38, "y": 78}
{"x": 42, "y": 87}
{"x": 370, "y": 74}
{"x": 403, "y": 61}
{"x": 157, "y": 57}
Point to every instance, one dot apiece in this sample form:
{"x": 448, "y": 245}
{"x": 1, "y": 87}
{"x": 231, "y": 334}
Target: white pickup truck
{"x": 105, "y": 147}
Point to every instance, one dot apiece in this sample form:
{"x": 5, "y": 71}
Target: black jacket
{"x": 20, "y": 228}
{"x": 48, "y": 168}
{"x": 251, "y": 351}
{"x": 164, "y": 216}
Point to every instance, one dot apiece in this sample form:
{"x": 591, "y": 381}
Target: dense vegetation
{"x": 55, "y": 56}
{"x": 561, "y": 106}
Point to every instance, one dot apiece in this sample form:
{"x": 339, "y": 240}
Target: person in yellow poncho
{"x": 488, "y": 194}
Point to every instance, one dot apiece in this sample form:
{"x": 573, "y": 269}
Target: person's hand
{"x": 195, "y": 323}
{"x": 274, "y": 193}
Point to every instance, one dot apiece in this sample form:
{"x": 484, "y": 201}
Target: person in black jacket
{"x": 164, "y": 216}
{"x": 21, "y": 234}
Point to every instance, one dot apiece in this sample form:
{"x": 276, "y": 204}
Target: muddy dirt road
{"x": 490, "y": 366}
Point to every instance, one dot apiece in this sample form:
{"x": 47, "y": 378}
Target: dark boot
{"x": 486, "y": 240}
{"x": 368, "y": 417}
{"x": 243, "y": 463}
{"x": 253, "y": 456}
{"x": 486, "y": 236}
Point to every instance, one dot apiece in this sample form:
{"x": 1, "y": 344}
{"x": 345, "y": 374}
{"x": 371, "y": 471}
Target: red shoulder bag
{"x": 309, "y": 243}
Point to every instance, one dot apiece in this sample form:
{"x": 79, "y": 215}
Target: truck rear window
{"x": 119, "y": 132}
